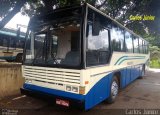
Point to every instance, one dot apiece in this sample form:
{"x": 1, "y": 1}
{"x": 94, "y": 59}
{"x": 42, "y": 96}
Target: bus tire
{"x": 18, "y": 57}
{"x": 114, "y": 89}
{"x": 143, "y": 72}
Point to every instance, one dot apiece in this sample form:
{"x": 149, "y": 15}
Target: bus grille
{"x": 52, "y": 75}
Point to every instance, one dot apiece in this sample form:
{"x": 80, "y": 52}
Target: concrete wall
{"x": 10, "y": 79}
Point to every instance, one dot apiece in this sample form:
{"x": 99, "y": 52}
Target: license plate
{"x": 62, "y": 102}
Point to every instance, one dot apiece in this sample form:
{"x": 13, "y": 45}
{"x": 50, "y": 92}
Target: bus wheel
{"x": 9, "y": 60}
{"x": 19, "y": 58}
{"x": 114, "y": 89}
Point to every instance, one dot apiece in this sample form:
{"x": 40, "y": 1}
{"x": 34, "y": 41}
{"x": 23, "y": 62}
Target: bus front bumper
{"x": 52, "y": 95}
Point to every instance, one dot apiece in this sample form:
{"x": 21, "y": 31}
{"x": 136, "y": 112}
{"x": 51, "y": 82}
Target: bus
{"x": 11, "y": 44}
{"x": 80, "y": 56}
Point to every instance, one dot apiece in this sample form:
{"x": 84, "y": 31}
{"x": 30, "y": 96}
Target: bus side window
{"x": 97, "y": 47}
{"x": 129, "y": 42}
{"x": 140, "y": 46}
{"x": 97, "y": 39}
{"x": 12, "y": 42}
{"x": 146, "y": 47}
{"x": 136, "y": 47}
{"x": 117, "y": 39}
{"x": 1, "y": 41}
{"x": 143, "y": 48}
{"x": 5, "y": 42}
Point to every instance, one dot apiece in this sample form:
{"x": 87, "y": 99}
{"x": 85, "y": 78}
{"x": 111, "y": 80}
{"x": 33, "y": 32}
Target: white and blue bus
{"x": 11, "y": 44}
{"x": 80, "y": 55}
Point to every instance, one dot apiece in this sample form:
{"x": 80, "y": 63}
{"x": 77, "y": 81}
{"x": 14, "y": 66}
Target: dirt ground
{"x": 139, "y": 98}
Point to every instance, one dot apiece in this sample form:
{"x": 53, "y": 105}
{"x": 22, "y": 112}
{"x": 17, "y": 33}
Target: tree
{"x": 32, "y": 7}
{"x": 17, "y": 6}
{"x": 117, "y": 9}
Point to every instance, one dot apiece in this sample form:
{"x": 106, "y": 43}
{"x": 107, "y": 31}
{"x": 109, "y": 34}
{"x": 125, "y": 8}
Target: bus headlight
{"x": 75, "y": 89}
{"x": 71, "y": 88}
{"x": 68, "y": 88}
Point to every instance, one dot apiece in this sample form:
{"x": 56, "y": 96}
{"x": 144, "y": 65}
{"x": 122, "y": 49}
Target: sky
{"x": 18, "y": 19}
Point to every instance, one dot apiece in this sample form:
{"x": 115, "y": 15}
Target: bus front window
{"x": 54, "y": 45}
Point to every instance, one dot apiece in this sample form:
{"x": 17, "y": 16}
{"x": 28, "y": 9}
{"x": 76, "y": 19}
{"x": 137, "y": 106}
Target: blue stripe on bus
{"x": 120, "y": 59}
{"x": 124, "y": 58}
{"x": 128, "y": 59}
{"x": 8, "y": 57}
{"x": 54, "y": 92}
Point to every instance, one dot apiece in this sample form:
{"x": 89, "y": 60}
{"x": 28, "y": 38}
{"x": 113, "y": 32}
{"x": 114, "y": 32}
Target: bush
{"x": 154, "y": 57}
{"x": 155, "y": 63}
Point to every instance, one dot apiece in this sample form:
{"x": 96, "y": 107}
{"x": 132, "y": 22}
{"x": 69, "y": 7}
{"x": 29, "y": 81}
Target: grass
{"x": 155, "y": 63}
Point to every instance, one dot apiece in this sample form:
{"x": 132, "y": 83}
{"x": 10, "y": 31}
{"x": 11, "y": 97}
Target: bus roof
{"x": 11, "y": 32}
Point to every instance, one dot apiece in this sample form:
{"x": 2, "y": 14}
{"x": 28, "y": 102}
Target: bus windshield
{"x": 54, "y": 44}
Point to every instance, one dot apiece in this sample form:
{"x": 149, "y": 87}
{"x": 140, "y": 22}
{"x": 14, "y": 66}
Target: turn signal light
{"x": 82, "y": 90}
{"x": 86, "y": 82}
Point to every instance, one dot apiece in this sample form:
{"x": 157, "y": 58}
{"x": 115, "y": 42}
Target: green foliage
{"x": 32, "y": 7}
{"x": 6, "y": 6}
{"x": 154, "y": 53}
{"x": 155, "y": 63}
{"x": 154, "y": 57}
{"x": 153, "y": 39}
{"x": 117, "y": 9}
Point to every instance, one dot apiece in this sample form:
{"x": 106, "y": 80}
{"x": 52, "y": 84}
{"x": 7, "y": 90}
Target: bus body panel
{"x": 99, "y": 92}
{"x": 98, "y": 88}
{"x": 53, "y": 92}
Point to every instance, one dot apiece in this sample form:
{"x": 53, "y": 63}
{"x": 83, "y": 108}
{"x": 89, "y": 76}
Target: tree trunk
{"x": 11, "y": 14}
